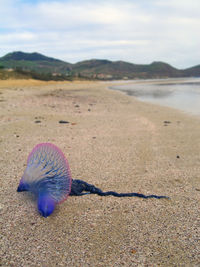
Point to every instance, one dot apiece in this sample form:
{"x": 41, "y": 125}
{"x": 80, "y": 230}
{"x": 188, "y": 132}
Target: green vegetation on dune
{"x": 19, "y": 73}
{"x": 4, "y": 75}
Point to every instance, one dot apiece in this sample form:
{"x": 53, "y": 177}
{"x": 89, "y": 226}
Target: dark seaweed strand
{"x": 79, "y": 186}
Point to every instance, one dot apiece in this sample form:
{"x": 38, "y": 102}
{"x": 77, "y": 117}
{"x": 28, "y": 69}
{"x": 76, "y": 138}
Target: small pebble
{"x": 133, "y": 251}
{"x": 61, "y": 121}
{"x": 1, "y": 206}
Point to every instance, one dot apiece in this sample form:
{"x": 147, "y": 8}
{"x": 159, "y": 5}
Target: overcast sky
{"x": 137, "y": 31}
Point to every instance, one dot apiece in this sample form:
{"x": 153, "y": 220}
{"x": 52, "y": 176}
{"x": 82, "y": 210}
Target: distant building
{"x": 56, "y": 74}
{"x": 104, "y": 76}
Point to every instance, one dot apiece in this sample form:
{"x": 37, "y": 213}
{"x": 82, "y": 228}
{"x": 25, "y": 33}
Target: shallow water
{"x": 183, "y": 95}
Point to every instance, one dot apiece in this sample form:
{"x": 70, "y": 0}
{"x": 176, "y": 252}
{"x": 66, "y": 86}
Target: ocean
{"x": 180, "y": 93}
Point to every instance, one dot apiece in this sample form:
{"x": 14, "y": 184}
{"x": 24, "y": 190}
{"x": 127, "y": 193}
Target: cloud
{"x": 136, "y": 31}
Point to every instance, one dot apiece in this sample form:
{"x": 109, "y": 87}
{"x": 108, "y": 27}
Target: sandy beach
{"x": 117, "y": 143}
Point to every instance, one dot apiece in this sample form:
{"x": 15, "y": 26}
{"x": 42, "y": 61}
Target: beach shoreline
{"x": 116, "y": 143}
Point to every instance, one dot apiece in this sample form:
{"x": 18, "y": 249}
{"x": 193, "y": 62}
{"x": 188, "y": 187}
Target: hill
{"x": 124, "y": 70}
{"x": 41, "y": 66}
{"x": 34, "y": 62}
{"x": 193, "y": 71}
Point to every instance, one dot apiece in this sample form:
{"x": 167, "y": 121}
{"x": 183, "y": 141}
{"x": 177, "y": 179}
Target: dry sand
{"x": 116, "y": 143}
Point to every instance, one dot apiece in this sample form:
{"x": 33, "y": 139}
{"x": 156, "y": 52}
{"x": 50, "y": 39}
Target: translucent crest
{"x": 47, "y": 172}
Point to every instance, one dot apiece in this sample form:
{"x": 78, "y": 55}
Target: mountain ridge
{"x": 102, "y": 69}
{"x": 18, "y": 55}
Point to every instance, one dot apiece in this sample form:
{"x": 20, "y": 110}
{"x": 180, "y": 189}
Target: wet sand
{"x": 117, "y": 143}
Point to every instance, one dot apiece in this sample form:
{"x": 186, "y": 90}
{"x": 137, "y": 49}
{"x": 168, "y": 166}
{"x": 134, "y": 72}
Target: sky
{"x": 137, "y": 31}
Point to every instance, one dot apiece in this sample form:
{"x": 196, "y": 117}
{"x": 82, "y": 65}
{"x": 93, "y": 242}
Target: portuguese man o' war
{"x": 48, "y": 176}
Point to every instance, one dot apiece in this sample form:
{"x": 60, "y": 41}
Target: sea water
{"x": 182, "y": 94}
